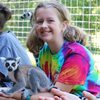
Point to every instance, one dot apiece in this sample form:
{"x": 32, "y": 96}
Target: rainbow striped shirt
{"x": 74, "y": 65}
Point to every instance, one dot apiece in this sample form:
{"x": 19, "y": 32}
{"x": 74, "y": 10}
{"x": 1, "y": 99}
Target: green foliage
{"x": 86, "y": 13}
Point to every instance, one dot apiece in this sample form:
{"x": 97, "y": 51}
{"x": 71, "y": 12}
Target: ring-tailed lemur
{"x": 26, "y": 15}
{"x": 37, "y": 42}
{"x": 28, "y": 77}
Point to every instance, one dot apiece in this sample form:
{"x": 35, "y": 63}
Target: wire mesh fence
{"x": 84, "y": 13}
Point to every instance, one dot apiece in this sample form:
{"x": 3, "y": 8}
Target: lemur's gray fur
{"x": 27, "y": 77}
{"x": 26, "y": 15}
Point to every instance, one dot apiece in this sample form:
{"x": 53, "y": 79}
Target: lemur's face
{"x": 26, "y": 15}
{"x": 11, "y": 63}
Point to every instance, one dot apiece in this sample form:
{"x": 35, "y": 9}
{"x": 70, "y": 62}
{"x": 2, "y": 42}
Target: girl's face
{"x": 48, "y": 25}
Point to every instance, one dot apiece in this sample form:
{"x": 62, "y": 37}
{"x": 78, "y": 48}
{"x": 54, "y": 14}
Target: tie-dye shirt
{"x": 73, "y": 64}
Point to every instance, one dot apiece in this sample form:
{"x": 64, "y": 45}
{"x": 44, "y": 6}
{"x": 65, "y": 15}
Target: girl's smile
{"x": 48, "y": 25}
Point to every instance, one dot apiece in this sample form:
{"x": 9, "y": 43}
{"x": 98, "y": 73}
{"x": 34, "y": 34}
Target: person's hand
{"x": 13, "y": 96}
{"x": 60, "y": 95}
{"x": 89, "y": 96}
{"x": 5, "y": 97}
{"x": 42, "y": 96}
{"x": 46, "y": 98}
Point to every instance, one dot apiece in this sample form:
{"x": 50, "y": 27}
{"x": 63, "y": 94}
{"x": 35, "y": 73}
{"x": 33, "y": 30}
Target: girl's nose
{"x": 44, "y": 24}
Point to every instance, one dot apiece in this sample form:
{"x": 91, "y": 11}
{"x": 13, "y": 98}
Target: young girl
{"x": 69, "y": 65}
{"x": 73, "y": 34}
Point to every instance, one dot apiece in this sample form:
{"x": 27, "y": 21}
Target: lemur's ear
{"x": 18, "y": 60}
{"x": 2, "y": 59}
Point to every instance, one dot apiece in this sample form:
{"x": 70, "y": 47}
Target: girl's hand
{"x": 5, "y": 97}
{"x": 13, "y": 96}
{"x": 46, "y": 98}
{"x": 89, "y": 96}
{"x": 59, "y": 95}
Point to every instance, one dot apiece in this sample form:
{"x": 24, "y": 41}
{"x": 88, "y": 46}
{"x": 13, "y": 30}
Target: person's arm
{"x": 7, "y": 97}
{"x": 4, "y": 98}
{"x": 73, "y": 72}
{"x": 59, "y": 95}
{"x": 6, "y": 52}
{"x": 46, "y": 94}
{"x": 18, "y": 96}
{"x": 64, "y": 87}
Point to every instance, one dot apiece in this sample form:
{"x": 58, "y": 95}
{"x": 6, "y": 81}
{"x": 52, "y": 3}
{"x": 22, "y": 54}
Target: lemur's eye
{"x": 13, "y": 64}
{"x": 6, "y": 64}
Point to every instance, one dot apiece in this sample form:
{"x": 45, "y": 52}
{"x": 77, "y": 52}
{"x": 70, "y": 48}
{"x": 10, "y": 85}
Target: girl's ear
{"x": 65, "y": 24}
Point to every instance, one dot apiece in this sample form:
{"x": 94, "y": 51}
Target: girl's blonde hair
{"x": 72, "y": 33}
{"x": 75, "y": 34}
{"x": 63, "y": 12}
{"x": 33, "y": 43}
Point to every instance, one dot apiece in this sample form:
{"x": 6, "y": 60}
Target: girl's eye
{"x": 50, "y": 20}
{"x": 42, "y": 21}
{"x": 39, "y": 22}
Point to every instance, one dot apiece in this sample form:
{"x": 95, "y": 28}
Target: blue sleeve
{"x": 5, "y": 52}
